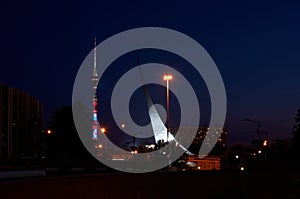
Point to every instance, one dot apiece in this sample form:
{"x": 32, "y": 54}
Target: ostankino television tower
{"x": 95, "y": 80}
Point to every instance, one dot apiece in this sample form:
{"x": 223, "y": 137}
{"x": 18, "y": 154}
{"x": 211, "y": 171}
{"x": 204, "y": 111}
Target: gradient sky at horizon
{"x": 255, "y": 44}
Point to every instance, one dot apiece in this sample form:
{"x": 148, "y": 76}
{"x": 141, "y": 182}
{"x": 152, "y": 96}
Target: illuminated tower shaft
{"x": 95, "y": 80}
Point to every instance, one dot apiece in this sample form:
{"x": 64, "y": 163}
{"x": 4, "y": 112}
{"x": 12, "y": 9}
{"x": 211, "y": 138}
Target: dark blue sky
{"x": 255, "y": 44}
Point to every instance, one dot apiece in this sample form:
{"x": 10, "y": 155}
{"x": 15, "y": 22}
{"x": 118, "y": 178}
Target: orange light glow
{"x": 265, "y": 143}
{"x": 49, "y": 132}
{"x": 103, "y": 130}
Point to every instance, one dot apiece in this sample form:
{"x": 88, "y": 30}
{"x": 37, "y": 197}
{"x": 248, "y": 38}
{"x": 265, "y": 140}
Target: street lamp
{"x": 133, "y": 138}
{"x": 258, "y": 126}
{"x": 103, "y": 130}
{"x": 265, "y": 143}
{"x": 168, "y": 78}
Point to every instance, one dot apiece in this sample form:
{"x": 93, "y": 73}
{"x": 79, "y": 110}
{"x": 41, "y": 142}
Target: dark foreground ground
{"x": 196, "y": 184}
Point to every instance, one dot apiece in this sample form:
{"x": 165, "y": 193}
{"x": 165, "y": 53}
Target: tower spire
{"x": 95, "y": 75}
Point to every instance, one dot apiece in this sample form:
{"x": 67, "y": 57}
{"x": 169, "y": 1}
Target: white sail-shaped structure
{"x": 159, "y": 129}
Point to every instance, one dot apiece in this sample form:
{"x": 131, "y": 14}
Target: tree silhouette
{"x": 296, "y": 135}
{"x": 64, "y": 141}
{"x": 64, "y": 144}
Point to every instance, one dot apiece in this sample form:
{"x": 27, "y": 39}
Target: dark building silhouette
{"x": 21, "y": 118}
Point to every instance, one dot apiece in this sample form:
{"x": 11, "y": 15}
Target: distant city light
{"x": 236, "y": 156}
{"x": 152, "y": 146}
{"x": 199, "y": 168}
{"x": 123, "y": 125}
{"x": 99, "y": 146}
{"x": 242, "y": 168}
{"x": 259, "y": 151}
{"x": 118, "y": 159}
{"x": 49, "y": 131}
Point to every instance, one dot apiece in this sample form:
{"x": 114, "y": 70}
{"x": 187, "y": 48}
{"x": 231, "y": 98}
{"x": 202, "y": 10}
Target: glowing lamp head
{"x": 103, "y": 130}
{"x": 49, "y": 131}
{"x": 265, "y": 143}
{"x": 168, "y": 77}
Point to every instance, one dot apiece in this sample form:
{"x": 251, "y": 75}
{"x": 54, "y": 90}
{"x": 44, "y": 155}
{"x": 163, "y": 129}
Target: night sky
{"x": 255, "y": 44}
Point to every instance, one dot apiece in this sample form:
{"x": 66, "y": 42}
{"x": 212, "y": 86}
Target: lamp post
{"x": 134, "y": 139}
{"x": 103, "y": 131}
{"x": 168, "y": 78}
{"x": 258, "y": 126}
